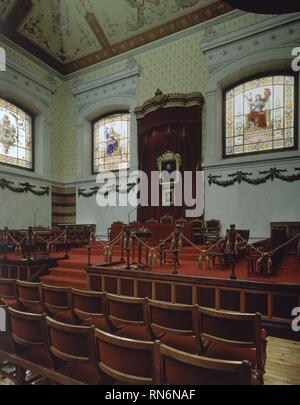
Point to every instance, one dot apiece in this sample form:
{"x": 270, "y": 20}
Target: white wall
{"x": 254, "y": 207}
{"x": 17, "y": 209}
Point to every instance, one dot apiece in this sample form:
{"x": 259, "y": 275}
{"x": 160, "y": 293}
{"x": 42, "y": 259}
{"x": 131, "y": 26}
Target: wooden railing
{"x": 33, "y": 242}
{"x": 264, "y": 261}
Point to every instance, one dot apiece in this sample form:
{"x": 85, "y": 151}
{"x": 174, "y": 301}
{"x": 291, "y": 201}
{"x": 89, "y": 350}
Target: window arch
{"x": 111, "y": 142}
{"x": 16, "y": 136}
{"x": 260, "y": 115}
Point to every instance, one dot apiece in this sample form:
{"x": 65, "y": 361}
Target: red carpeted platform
{"x": 71, "y": 272}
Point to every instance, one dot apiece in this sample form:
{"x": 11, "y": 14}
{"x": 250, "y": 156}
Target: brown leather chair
{"x": 29, "y": 297}
{"x": 127, "y": 361}
{"x": 89, "y": 308}
{"x": 128, "y": 317}
{"x": 180, "y": 368}
{"x": 56, "y": 302}
{"x": 29, "y": 339}
{"x": 72, "y": 350}
{"x": 175, "y": 325}
{"x": 234, "y": 336}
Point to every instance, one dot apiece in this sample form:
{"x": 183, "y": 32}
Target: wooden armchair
{"x": 152, "y": 221}
{"x": 197, "y": 230}
{"x": 234, "y": 336}
{"x": 167, "y": 219}
{"x": 212, "y": 232}
{"x": 181, "y": 221}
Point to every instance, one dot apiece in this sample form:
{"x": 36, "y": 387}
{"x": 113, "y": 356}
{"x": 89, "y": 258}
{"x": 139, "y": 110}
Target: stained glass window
{"x": 16, "y": 137}
{"x": 111, "y": 137}
{"x": 260, "y": 116}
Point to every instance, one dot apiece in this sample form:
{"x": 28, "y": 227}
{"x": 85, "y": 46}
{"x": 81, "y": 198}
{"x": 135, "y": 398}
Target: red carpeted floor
{"x": 71, "y": 272}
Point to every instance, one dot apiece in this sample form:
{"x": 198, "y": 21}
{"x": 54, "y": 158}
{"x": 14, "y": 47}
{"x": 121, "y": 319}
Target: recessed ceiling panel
{"x": 60, "y": 29}
{"x": 5, "y": 8}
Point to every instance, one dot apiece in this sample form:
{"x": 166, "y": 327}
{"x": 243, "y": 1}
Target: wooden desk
{"x": 158, "y": 231}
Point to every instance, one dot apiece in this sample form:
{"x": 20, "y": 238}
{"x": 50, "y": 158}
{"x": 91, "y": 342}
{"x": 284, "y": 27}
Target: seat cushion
{"x": 35, "y": 310}
{"x": 100, "y": 323}
{"x": 133, "y": 332}
{"x": 181, "y": 342}
{"x": 66, "y": 317}
{"x": 38, "y": 356}
{"x": 82, "y": 372}
{"x": 9, "y": 302}
{"x": 226, "y": 352}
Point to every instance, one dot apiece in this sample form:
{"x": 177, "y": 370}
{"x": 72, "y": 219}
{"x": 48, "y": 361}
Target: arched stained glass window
{"x": 16, "y": 136}
{"x": 260, "y": 116}
{"x": 111, "y": 143}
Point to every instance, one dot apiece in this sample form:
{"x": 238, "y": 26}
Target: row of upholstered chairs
{"x": 91, "y": 356}
{"x": 187, "y": 328}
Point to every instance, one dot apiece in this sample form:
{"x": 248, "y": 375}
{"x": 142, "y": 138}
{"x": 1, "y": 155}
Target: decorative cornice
{"x": 160, "y": 101}
{"x": 23, "y": 188}
{"x": 131, "y": 70}
{"x": 265, "y": 176}
{"x": 249, "y": 31}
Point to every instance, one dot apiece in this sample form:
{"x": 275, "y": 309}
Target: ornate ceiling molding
{"x": 27, "y": 32}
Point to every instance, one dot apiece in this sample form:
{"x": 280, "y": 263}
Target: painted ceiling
{"x": 72, "y": 34}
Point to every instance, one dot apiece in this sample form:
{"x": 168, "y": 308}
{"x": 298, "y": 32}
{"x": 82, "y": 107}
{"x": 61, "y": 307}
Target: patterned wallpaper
{"x": 177, "y": 66}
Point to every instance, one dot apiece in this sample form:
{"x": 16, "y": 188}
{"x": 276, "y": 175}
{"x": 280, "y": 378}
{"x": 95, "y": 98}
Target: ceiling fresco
{"x": 72, "y": 34}
{"x": 5, "y": 8}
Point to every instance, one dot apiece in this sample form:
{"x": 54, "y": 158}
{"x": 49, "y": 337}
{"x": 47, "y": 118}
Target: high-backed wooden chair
{"x": 167, "y": 219}
{"x": 152, "y": 221}
{"x": 181, "y": 221}
{"x": 175, "y": 325}
{"x": 179, "y": 368}
{"x": 234, "y": 336}
{"x": 56, "y": 300}
{"x": 212, "y": 231}
{"x": 197, "y": 230}
{"x": 127, "y": 361}
{"x": 89, "y": 308}
{"x": 128, "y": 317}
{"x": 72, "y": 349}
{"x": 29, "y": 339}
{"x": 8, "y": 292}
{"x": 29, "y": 297}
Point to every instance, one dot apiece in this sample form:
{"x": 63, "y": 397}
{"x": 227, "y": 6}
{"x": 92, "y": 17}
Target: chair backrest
{"x": 29, "y": 294}
{"x": 213, "y": 225}
{"x": 88, "y": 304}
{"x": 8, "y": 289}
{"x": 152, "y": 221}
{"x": 197, "y": 223}
{"x": 27, "y": 331}
{"x": 180, "y": 368}
{"x": 230, "y": 328}
{"x": 69, "y": 343}
{"x": 178, "y": 319}
{"x": 122, "y": 311}
{"x": 182, "y": 221}
{"x": 126, "y": 360}
{"x": 55, "y": 299}
{"x": 167, "y": 219}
